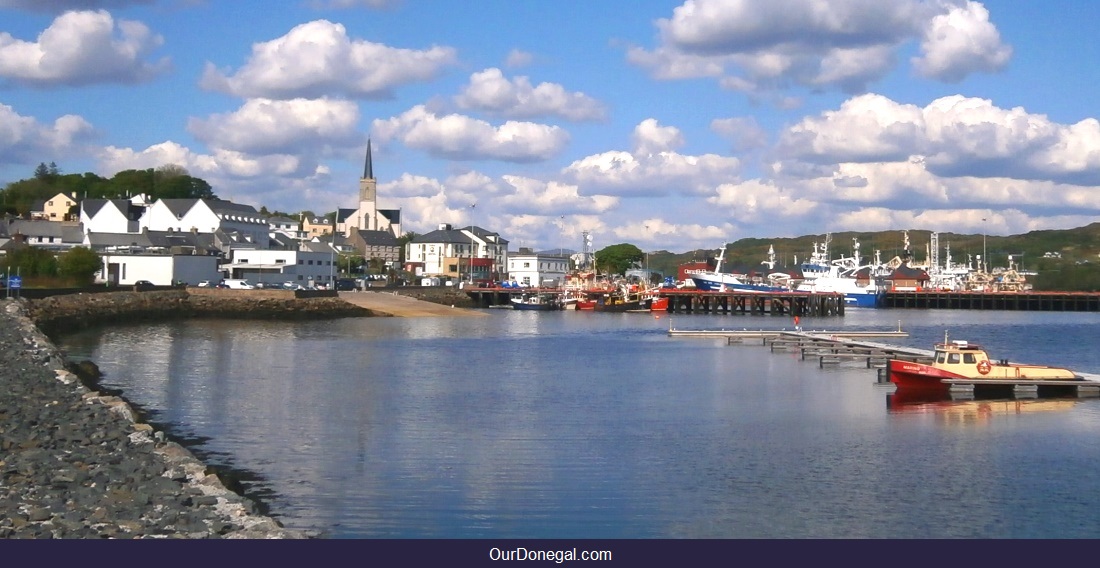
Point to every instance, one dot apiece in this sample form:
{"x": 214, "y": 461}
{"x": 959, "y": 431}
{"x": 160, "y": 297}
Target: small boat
{"x": 537, "y": 301}
{"x": 969, "y": 361}
{"x": 585, "y": 304}
{"x": 626, "y": 298}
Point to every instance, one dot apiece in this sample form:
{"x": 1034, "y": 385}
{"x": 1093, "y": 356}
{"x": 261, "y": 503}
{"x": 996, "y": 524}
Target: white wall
{"x": 160, "y": 269}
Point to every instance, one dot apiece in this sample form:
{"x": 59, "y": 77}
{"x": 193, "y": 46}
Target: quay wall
{"x": 68, "y": 312}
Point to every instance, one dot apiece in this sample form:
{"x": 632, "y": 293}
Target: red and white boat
{"x": 969, "y": 361}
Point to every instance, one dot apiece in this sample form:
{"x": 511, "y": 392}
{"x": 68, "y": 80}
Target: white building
{"x": 537, "y": 269}
{"x": 209, "y": 216}
{"x": 274, "y": 267}
{"x": 110, "y": 216}
{"x": 160, "y": 269}
{"x": 471, "y": 253}
{"x": 367, "y": 216}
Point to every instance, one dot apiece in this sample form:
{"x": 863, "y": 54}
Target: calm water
{"x": 592, "y": 425}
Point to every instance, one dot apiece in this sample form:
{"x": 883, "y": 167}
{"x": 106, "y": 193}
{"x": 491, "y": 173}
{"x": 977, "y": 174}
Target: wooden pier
{"x": 740, "y": 303}
{"x": 826, "y": 347}
{"x": 1011, "y": 301}
{"x": 836, "y": 347}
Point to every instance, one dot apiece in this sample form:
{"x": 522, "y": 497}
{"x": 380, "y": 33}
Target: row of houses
{"x": 190, "y": 240}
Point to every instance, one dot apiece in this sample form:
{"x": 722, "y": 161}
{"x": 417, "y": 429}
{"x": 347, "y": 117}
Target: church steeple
{"x": 368, "y": 167}
{"x": 366, "y": 215}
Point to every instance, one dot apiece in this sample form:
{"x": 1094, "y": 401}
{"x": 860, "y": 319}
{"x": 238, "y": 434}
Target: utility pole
{"x": 985, "y": 257}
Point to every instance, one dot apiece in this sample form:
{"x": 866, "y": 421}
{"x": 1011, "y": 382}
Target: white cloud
{"x": 82, "y": 48}
{"x": 23, "y": 139}
{"x": 263, "y": 126}
{"x": 745, "y": 132}
{"x": 756, "y": 47}
{"x": 318, "y": 59}
{"x": 218, "y": 165}
{"x": 518, "y": 58}
{"x": 653, "y": 169}
{"x": 954, "y": 136}
{"x": 459, "y": 137}
{"x": 759, "y": 203}
{"x": 549, "y": 198}
{"x": 650, "y": 137}
{"x": 961, "y": 42}
{"x": 491, "y": 92}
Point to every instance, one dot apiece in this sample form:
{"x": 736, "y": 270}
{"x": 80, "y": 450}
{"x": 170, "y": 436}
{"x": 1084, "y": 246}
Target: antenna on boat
{"x": 945, "y": 337}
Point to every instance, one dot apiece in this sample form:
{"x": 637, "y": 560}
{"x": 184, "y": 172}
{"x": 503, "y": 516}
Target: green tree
{"x": 79, "y": 264}
{"x": 402, "y": 241}
{"x": 30, "y": 262}
{"x": 617, "y": 259}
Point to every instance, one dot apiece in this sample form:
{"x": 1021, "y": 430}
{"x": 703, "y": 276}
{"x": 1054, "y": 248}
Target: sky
{"x": 669, "y": 125}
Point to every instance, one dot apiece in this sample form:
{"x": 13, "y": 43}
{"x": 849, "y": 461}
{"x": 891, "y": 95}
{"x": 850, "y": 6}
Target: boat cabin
{"x": 959, "y": 356}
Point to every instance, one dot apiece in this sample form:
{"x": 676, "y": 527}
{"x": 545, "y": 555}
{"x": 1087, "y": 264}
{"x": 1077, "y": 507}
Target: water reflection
{"x": 579, "y": 425}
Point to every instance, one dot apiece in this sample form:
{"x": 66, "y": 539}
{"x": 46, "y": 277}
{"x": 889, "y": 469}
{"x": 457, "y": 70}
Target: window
{"x": 299, "y": 261}
{"x": 50, "y": 203}
{"x": 243, "y": 261}
{"x": 953, "y": 358}
{"x": 280, "y": 261}
{"x": 969, "y": 358}
{"x": 941, "y": 357}
{"x": 310, "y": 263}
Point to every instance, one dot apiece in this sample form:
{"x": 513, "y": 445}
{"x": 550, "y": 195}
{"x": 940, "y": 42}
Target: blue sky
{"x": 669, "y": 125}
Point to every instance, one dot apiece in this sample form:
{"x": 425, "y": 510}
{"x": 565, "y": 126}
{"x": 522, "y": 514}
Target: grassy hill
{"x": 1077, "y": 269}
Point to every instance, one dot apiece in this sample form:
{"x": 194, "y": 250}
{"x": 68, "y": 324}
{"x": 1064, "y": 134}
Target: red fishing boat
{"x": 969, "y": 361}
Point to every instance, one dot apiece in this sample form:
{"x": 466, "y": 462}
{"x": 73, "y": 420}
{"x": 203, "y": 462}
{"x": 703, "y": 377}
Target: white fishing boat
{"x": 718, "y": 281}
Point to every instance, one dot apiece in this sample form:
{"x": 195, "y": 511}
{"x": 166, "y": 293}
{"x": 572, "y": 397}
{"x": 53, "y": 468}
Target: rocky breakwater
{"x": 74, "y": 463}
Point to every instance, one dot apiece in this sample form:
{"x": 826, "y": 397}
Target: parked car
{"x": 203, "y": 284}
{"x": 238, "y": 284}
{"x": 143, "y": 285}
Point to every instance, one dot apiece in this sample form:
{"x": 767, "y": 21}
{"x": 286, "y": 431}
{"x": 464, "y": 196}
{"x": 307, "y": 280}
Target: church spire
{"x": 368, "y": 167}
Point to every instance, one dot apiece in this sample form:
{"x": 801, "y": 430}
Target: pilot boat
{"x": 969, "y": 361}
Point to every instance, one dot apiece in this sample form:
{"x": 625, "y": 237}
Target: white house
{"x": 110, "y": 216}
{"x": 537, "y": 269}
{"x": 209, "y": 216}
{"x": 468, "y": 253}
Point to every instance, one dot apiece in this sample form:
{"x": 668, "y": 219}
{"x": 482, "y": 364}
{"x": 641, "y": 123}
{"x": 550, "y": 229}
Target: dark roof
{"x": 444, "y": 236}
{"x": 391, "y": 215}
{"x": 379, "y": 238}
{"x": 343, "y": 214}
{"x": 35, "y": 228}
{"x": 179, "y": 206}
{"x": 906, "y": 272}
{"x": 223, "y": 207}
